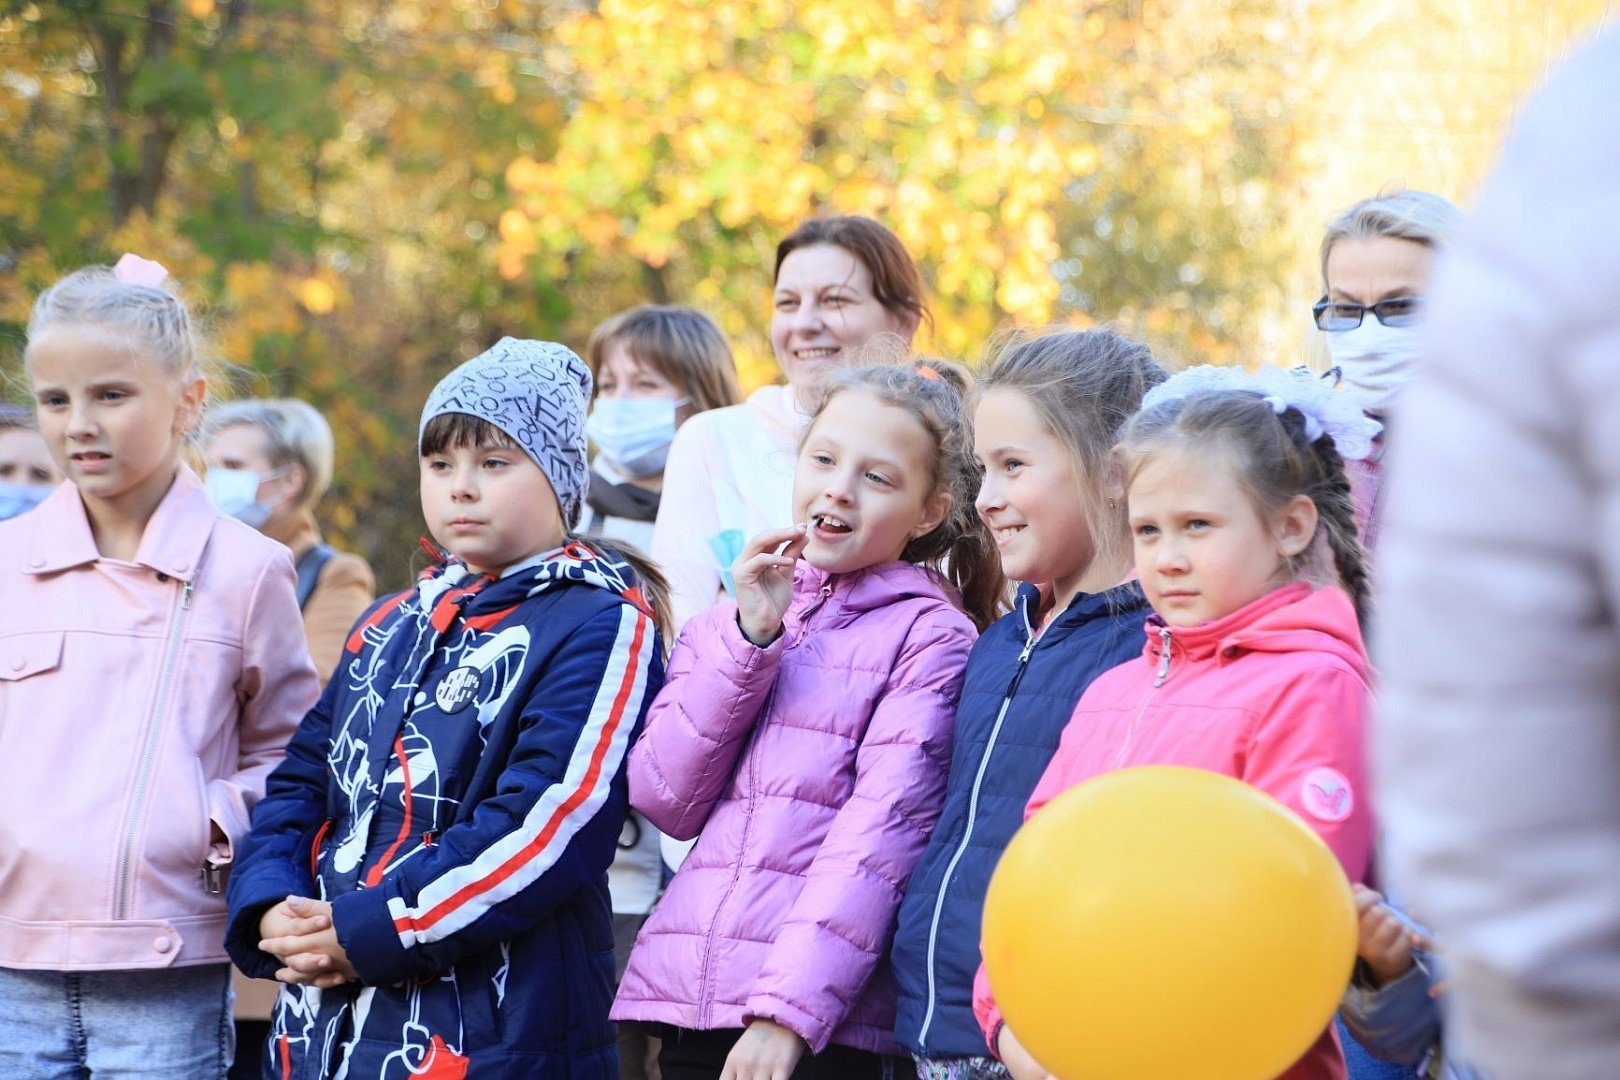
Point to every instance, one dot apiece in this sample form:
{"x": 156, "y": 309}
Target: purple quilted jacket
{"x": 815, "y": 770}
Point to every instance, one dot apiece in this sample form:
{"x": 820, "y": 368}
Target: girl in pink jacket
{"x": 805, "y": 731}
{"x": 1254, "y": 667}
{"x": 152, "y": 668}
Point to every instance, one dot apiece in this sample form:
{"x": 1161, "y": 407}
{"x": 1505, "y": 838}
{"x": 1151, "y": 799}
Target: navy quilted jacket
{"x": 457, "y": 795}
{"x": 1018, "y": 695}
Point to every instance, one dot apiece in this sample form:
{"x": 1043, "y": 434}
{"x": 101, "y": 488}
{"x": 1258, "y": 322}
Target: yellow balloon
{"x": 1166, "y": 922}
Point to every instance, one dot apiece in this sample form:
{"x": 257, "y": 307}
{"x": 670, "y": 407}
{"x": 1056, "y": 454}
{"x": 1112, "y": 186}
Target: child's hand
{"x": 285, "y": 920}
{"x": 1385, "y": 941}
{"x": 764, "y": 582}
{"x": 765, "y": 1051}
{"x": 310, "y": 953}
{"x": 1439, "y": 987}
{"x": 1019, "y": 1061}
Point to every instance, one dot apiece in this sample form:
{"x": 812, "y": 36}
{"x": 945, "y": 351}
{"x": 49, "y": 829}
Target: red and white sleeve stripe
{"x": 515, "y": 861}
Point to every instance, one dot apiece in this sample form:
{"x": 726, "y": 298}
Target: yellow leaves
{"x": 200, "y": 9}
{"x": 317, "y": 296}
{"x": 523, "y": 175}
{"x": 514, "y": 227}
{"x": 1083, "y": 160}
{"x": 598, "y": 229}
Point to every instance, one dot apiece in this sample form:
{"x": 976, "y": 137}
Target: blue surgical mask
{"x": 19, "y": 498}
{"x": 236, "y": 492}
{"x": 634, "y": 433}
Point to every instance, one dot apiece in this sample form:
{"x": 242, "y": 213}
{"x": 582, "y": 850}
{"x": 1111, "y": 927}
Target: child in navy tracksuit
{"x": 427, "y": 871}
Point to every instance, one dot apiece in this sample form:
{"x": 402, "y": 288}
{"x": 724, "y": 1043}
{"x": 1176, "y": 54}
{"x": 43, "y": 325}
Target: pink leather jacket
{"x": 139, "y": 701}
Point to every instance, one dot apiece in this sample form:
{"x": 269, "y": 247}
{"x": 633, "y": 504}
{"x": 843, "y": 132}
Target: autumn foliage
{"x": 361, "y": 192}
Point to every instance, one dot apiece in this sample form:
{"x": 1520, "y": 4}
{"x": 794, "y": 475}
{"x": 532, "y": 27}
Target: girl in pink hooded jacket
{"x": 805, "y": 730}
{"x": 1237, "y": 496}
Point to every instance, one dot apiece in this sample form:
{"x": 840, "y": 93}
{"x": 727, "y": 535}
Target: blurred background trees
{"x": 360, "y": 193}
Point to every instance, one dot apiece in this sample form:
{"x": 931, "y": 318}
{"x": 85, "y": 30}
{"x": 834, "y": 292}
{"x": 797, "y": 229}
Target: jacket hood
{"x": 874, "y": 587}
{"x": 778, "y": 409}
{"x": 1294, "y": 618}
{"x": 451, "y": 584}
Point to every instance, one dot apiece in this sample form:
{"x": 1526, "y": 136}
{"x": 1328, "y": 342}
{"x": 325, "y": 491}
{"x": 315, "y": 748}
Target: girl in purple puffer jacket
{"x": 805, "y": 730}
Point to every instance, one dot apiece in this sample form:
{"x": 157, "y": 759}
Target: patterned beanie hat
{"x": 535, "y": 391}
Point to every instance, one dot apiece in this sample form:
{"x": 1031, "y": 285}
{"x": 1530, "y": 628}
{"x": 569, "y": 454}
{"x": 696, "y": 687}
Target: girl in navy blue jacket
{"x": 1048, "y": 412}
{"x": 427, "y": 871}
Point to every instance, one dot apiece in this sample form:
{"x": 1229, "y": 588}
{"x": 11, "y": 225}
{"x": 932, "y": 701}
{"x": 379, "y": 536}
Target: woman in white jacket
{"x": 1499, "y": 744}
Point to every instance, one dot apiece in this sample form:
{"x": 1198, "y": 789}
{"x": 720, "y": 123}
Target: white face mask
{"x": 236, "y": 492}
{"x": 1374, "y": 361}
{"x": 634, "y": 433}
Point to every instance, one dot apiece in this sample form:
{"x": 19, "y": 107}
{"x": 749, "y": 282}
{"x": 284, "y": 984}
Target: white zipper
{"x": 154, "y": 727}
{"x": 967, "y": 833}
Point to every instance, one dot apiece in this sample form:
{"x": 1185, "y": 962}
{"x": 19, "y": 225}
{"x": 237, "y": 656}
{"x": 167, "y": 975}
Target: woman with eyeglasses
{"x": 1376, "y": 258}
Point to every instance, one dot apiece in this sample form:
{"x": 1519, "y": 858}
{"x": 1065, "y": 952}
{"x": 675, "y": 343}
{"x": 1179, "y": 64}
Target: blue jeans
{"x": 70, "y": 1025}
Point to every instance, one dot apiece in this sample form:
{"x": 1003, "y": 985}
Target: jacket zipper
{"x": 154, "y": 727}
{"x": 967, "y": 833}
{"x": 704, "y": 970}
{"x": 1159, "y": 679}
{"x": 1164, "y": 657}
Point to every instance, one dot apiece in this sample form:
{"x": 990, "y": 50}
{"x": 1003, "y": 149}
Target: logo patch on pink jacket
{"x": 1326, "y": 794}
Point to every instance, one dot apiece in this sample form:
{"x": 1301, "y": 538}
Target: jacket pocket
{"x": 23, "y": 655}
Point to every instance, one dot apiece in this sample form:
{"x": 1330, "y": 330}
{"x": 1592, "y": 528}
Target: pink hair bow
{"x": 131, "y": 269}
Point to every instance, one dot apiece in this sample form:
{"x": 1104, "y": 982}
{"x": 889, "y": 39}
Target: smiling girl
{"x": 805, "y": 731}
{"x": 1049, "y": 411}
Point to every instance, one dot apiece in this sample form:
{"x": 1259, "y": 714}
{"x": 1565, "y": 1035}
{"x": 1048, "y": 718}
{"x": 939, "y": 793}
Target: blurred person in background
{"x": 1498, "y": 747}
{"x": 654, "y": 368}
{"x": 269, "y": 463}
{"x": 27, "y": 473}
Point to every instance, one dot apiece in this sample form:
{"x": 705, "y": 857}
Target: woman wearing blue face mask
{"x": 654, "y": 367}
{"x": 1376, "y": 258}
{"x": 27, "y": 473}
{"x": 269, "y": 463}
